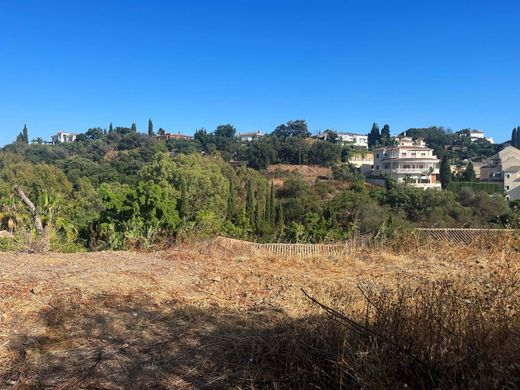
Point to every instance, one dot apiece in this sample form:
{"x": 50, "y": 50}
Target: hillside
{"x": 279, "y": 172}
{"x": 217, "y": 315}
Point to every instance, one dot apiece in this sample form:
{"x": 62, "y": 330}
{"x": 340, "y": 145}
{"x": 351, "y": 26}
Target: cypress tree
{"x": 445, "y": 172}
{"x": 257, "y": 219}
{"x": 250, "y": 209}
{"x": 374, "y": 136}
{"x": 183, "y": 205}
{"x": 469, "y": 173}
{"x": 25, "y": 134}
{"x": 514, "y": 138}
{"x": 281, "y": 220}
{"x": 150, "y": 128}
{"x": 133, "y": 128}
{"x": 518, "y": 137}
{"x": 110, "y": 128}
{"x": 272, "y": 210}
{"x": 267, "y": 209}
{"x": 385, "y": 134}
{"x": 230, "y": 213}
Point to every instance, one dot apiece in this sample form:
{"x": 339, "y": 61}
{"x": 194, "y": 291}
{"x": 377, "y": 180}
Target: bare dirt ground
{"x": 279, "y": 172}
{"x": 196, "y": 316}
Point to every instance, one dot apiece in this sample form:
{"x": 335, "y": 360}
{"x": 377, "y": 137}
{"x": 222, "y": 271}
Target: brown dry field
{"x": 194, "y": 316}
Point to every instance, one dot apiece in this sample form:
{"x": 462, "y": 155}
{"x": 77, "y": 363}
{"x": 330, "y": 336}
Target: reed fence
{"x": 465, "y": 236}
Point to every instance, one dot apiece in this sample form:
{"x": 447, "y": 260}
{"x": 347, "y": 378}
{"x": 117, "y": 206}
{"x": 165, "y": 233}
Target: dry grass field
{"x": 218, "y": 315}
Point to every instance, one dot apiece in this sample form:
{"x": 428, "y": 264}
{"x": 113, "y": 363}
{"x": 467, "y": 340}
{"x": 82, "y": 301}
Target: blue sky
{"x": 71, "y": 65}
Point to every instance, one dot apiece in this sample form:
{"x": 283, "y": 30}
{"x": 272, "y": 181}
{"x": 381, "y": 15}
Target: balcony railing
{"x": 417, "y": 171}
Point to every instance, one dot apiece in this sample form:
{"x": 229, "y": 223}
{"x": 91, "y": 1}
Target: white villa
{"x": 475, "y": 135}
{"x": 504, "y": 168}
{"x": 63, "y": 137}
{"x": 410, "y": 162}
{"x": 247, "y": 137}
{"x": 348, "y": 138}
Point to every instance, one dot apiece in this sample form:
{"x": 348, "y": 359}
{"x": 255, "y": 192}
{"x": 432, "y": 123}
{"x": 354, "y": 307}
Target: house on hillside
{"x": 63, "y": 137}
{"x": 504, "y": 168}
{"x": 410, "y": 162}
{"x": 475, "y": 135}
{"x": 362, "y": 160}
{"x": 347, "y": 138}
{"x": 166, "y": 136}
{"x": 249, "y": 136}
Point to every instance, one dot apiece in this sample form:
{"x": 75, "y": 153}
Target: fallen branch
{"x": 361, "y": 329}
{"x": 33, "y": 209}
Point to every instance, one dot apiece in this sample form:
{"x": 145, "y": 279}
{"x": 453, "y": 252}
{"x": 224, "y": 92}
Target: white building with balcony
{"x": 476, "y": 135}
{"x": 248, "y": 137}
{"x": 348, "y": 138}
{"x": 63, "y": 137}
{"x": 409, "y": 162}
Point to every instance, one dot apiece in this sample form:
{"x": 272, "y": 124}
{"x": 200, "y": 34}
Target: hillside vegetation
{"x": 120, "y": 189}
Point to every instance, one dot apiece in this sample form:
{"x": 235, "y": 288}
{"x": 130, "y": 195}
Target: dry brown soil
{"x": 172, "y": 319}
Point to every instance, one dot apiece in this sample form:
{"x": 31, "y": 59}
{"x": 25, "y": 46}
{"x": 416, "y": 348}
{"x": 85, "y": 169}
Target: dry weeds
{"x": 219, "y": 315}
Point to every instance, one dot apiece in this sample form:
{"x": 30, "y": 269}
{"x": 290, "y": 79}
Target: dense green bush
{"x": 490, "y": 188}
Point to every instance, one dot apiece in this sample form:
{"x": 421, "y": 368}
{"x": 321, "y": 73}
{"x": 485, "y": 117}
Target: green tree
{"x": 227, "y": 132}
{"x": 515, "y": 137}
{"x": 94, "y": 134}
{"x": 257, "y": 218}
{"x": 183, "y": 202}
{"x": 297, "y": 128}
{"x": 230, "y": 214}
{"x": 133, "y": 128}
{"x": 324, "y": 153}
{"x": 445, "y": 172}
{"x": 150, "y": 128}
{"x": 374, "y": 136}
{"x": 250, "y": 208}
{"x": 385, "y": 135}
{"x": 331, "y": 136}
{"x": 23, "y": 137}
{"x": 272, "y": 205}
{"x": 280, "y": 218}
{"x": 25, "y": 134}
{"x": 469, "y": 173}
{"x": 260, "y": 153}
{"x": 294, "y": 150}
{"x": 110, "y": 128}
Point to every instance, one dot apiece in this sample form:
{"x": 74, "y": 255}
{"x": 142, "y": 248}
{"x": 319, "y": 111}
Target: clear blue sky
{"x": 71, "y": 65}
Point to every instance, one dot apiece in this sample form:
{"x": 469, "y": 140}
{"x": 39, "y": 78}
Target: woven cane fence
{"x": 301, "y": 249}
{"x": 467, "y": 236}
{"x": 460, "y": 236}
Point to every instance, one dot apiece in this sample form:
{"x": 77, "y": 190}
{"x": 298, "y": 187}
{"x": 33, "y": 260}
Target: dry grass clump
{"x": 434, "y": 316}
{"x": 441, "y": 334}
